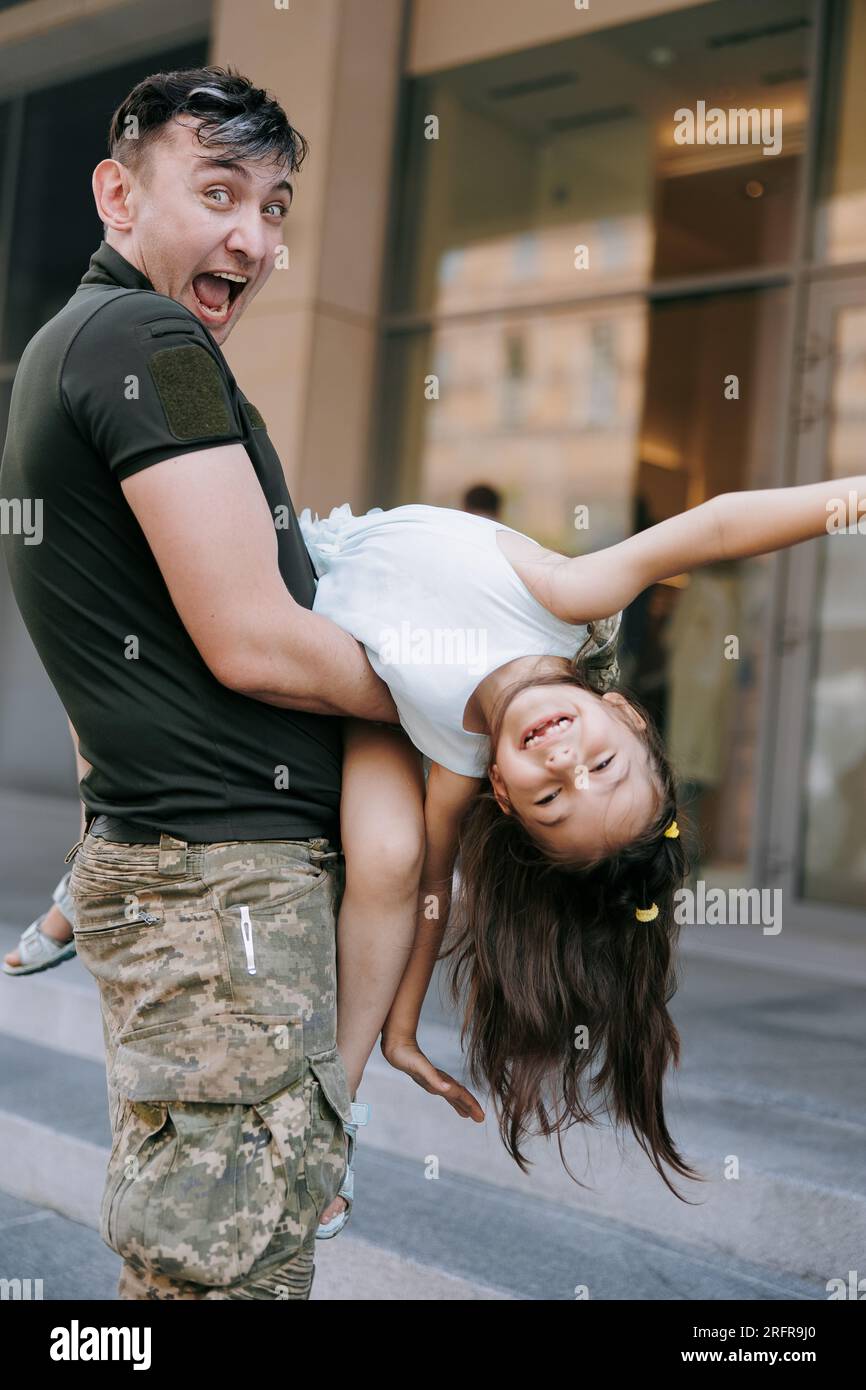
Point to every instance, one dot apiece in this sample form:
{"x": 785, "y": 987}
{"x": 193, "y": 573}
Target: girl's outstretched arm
{"x": 728, "y": 527}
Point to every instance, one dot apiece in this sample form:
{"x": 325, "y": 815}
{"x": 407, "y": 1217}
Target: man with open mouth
{"x": 216, "y": 293}
{"x": 171, "y": 605}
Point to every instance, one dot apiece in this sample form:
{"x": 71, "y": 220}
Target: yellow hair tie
{"x": 649, "y": 914}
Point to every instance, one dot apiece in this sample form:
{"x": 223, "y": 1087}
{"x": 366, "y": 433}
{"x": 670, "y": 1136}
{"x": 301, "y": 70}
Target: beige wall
{"x": 305, "y": 351}
{"x": 445, "y": 33}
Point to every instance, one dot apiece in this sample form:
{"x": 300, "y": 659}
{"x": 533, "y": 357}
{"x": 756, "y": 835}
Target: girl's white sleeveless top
{"x": 437, "y": 606}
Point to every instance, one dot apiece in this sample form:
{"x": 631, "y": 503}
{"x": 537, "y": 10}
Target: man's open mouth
{"x": 216, "y": 293}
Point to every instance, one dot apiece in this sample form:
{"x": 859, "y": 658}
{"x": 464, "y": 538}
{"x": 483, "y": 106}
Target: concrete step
{"x": 826, "y": 955}
{"x": 780, "y": 1230}
{"x": 51, "y": 1178}
{"x": 412, "y": 1236}
{"x": 66, "y": 1260}
{"x": 56, "y": 1008}
{"x": 797, "y": 1208}
{"x": 771, "y": 1077}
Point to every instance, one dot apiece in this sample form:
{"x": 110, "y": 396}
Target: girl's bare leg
{"x": 382, "y": 830}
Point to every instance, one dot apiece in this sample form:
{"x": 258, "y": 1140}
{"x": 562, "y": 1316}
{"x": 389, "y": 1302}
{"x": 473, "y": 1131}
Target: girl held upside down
{"x": 555, "y": 792}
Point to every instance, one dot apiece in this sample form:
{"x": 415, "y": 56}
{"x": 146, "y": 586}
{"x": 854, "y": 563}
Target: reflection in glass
{"x": 538, "y": 187}
{"x": 697, "y": 660}
{"x": 622, "y": 409}
{"x": 545, "y": 406}
{"x": 524, "y": 351}
{"x": 834, "y": 848}
{"x": 840, "y": 217}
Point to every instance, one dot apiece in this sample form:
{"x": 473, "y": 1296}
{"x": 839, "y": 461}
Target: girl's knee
{"x": 387, "y": 860}
{"x": 382, "y": 814}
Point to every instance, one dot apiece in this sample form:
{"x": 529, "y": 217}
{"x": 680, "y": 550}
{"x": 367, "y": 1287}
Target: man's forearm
{"x": 312, "y": 665}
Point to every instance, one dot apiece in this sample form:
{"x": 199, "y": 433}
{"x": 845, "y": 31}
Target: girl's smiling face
{"x": 572, "y": 765}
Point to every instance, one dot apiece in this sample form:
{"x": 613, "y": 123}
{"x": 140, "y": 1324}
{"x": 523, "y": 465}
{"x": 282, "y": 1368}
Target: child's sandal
{"x": 327, "y": 1229}
{"x": 36, "y": 950}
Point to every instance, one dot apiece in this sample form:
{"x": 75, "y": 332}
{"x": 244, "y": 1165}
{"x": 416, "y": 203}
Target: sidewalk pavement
{"x": 768, "y": 1103}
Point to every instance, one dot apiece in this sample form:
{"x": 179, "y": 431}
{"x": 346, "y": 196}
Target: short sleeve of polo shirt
{"x": 142, "y": 383}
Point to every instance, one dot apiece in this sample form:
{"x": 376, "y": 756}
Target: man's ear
{"x": 111, "y": 188}
{"x": 631, "y": 714}
{"x": 499, "y": 790}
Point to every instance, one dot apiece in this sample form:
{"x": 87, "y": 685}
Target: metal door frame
{"x": 798, "y": 628}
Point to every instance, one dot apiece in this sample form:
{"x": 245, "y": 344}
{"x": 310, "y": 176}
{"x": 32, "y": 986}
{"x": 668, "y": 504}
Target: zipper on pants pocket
{"x": 247, "y": 934}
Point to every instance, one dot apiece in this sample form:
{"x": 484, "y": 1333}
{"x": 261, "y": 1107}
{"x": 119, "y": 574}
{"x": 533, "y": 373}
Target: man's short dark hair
{"x": 246, "y": 120}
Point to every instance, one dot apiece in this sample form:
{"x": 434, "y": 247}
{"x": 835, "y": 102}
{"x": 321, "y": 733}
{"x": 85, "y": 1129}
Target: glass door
{"x": 818, "y": 837}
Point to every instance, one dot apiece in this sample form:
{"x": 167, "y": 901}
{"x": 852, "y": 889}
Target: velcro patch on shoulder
{"x": 192, "y": 392}
{"x": 254, "y": 416}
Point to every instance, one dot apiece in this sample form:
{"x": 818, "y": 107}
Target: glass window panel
{"x": 697, "y": 439}
{"x": 840, "y": 214}
{"x": 620, "y": 408}
{"x": 573, "y": 144}
{"x": 545, "y": 407}
{"x": 833, "y": 844}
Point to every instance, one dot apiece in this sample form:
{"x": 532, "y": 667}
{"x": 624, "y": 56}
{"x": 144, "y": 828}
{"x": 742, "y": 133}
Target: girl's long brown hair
{"x": 564, "y": 992}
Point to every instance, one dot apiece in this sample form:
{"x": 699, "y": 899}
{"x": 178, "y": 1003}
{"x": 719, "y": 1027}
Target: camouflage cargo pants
{"x": 216, "y": 966}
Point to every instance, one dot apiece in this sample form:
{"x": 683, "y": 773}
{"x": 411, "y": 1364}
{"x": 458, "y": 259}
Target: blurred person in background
{"x": 483, "y": 500}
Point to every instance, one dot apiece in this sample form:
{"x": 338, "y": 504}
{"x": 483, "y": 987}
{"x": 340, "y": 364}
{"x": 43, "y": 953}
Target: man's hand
{"x": 405, "y": 1055}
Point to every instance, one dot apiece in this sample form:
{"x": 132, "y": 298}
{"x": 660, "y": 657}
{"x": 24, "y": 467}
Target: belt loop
{"x": 172, "y": 855}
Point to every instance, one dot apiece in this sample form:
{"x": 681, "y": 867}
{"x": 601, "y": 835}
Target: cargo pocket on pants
{"x": 204, "y": 1173}
{"x": 138, "y": 1123}
{"x": 204, "y": 1195}
{"x": 330, "y": 1108}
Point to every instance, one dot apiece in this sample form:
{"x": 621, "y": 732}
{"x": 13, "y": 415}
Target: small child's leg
{"x": 382, "y": 829}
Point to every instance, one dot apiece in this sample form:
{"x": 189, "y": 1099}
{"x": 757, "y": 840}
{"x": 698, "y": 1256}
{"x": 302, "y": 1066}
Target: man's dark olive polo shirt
{"x": 122, "y": 378}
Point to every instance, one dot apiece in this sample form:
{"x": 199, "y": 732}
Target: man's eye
{"x": 211, "y": 191}
{"x": 280, "y": 210}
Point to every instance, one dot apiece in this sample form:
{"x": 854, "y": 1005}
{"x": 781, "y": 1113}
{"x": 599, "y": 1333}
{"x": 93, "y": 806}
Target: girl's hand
{"x": 406, "y": 1055}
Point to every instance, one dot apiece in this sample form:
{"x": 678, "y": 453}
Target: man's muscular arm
{"x": 208, "y": 524}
